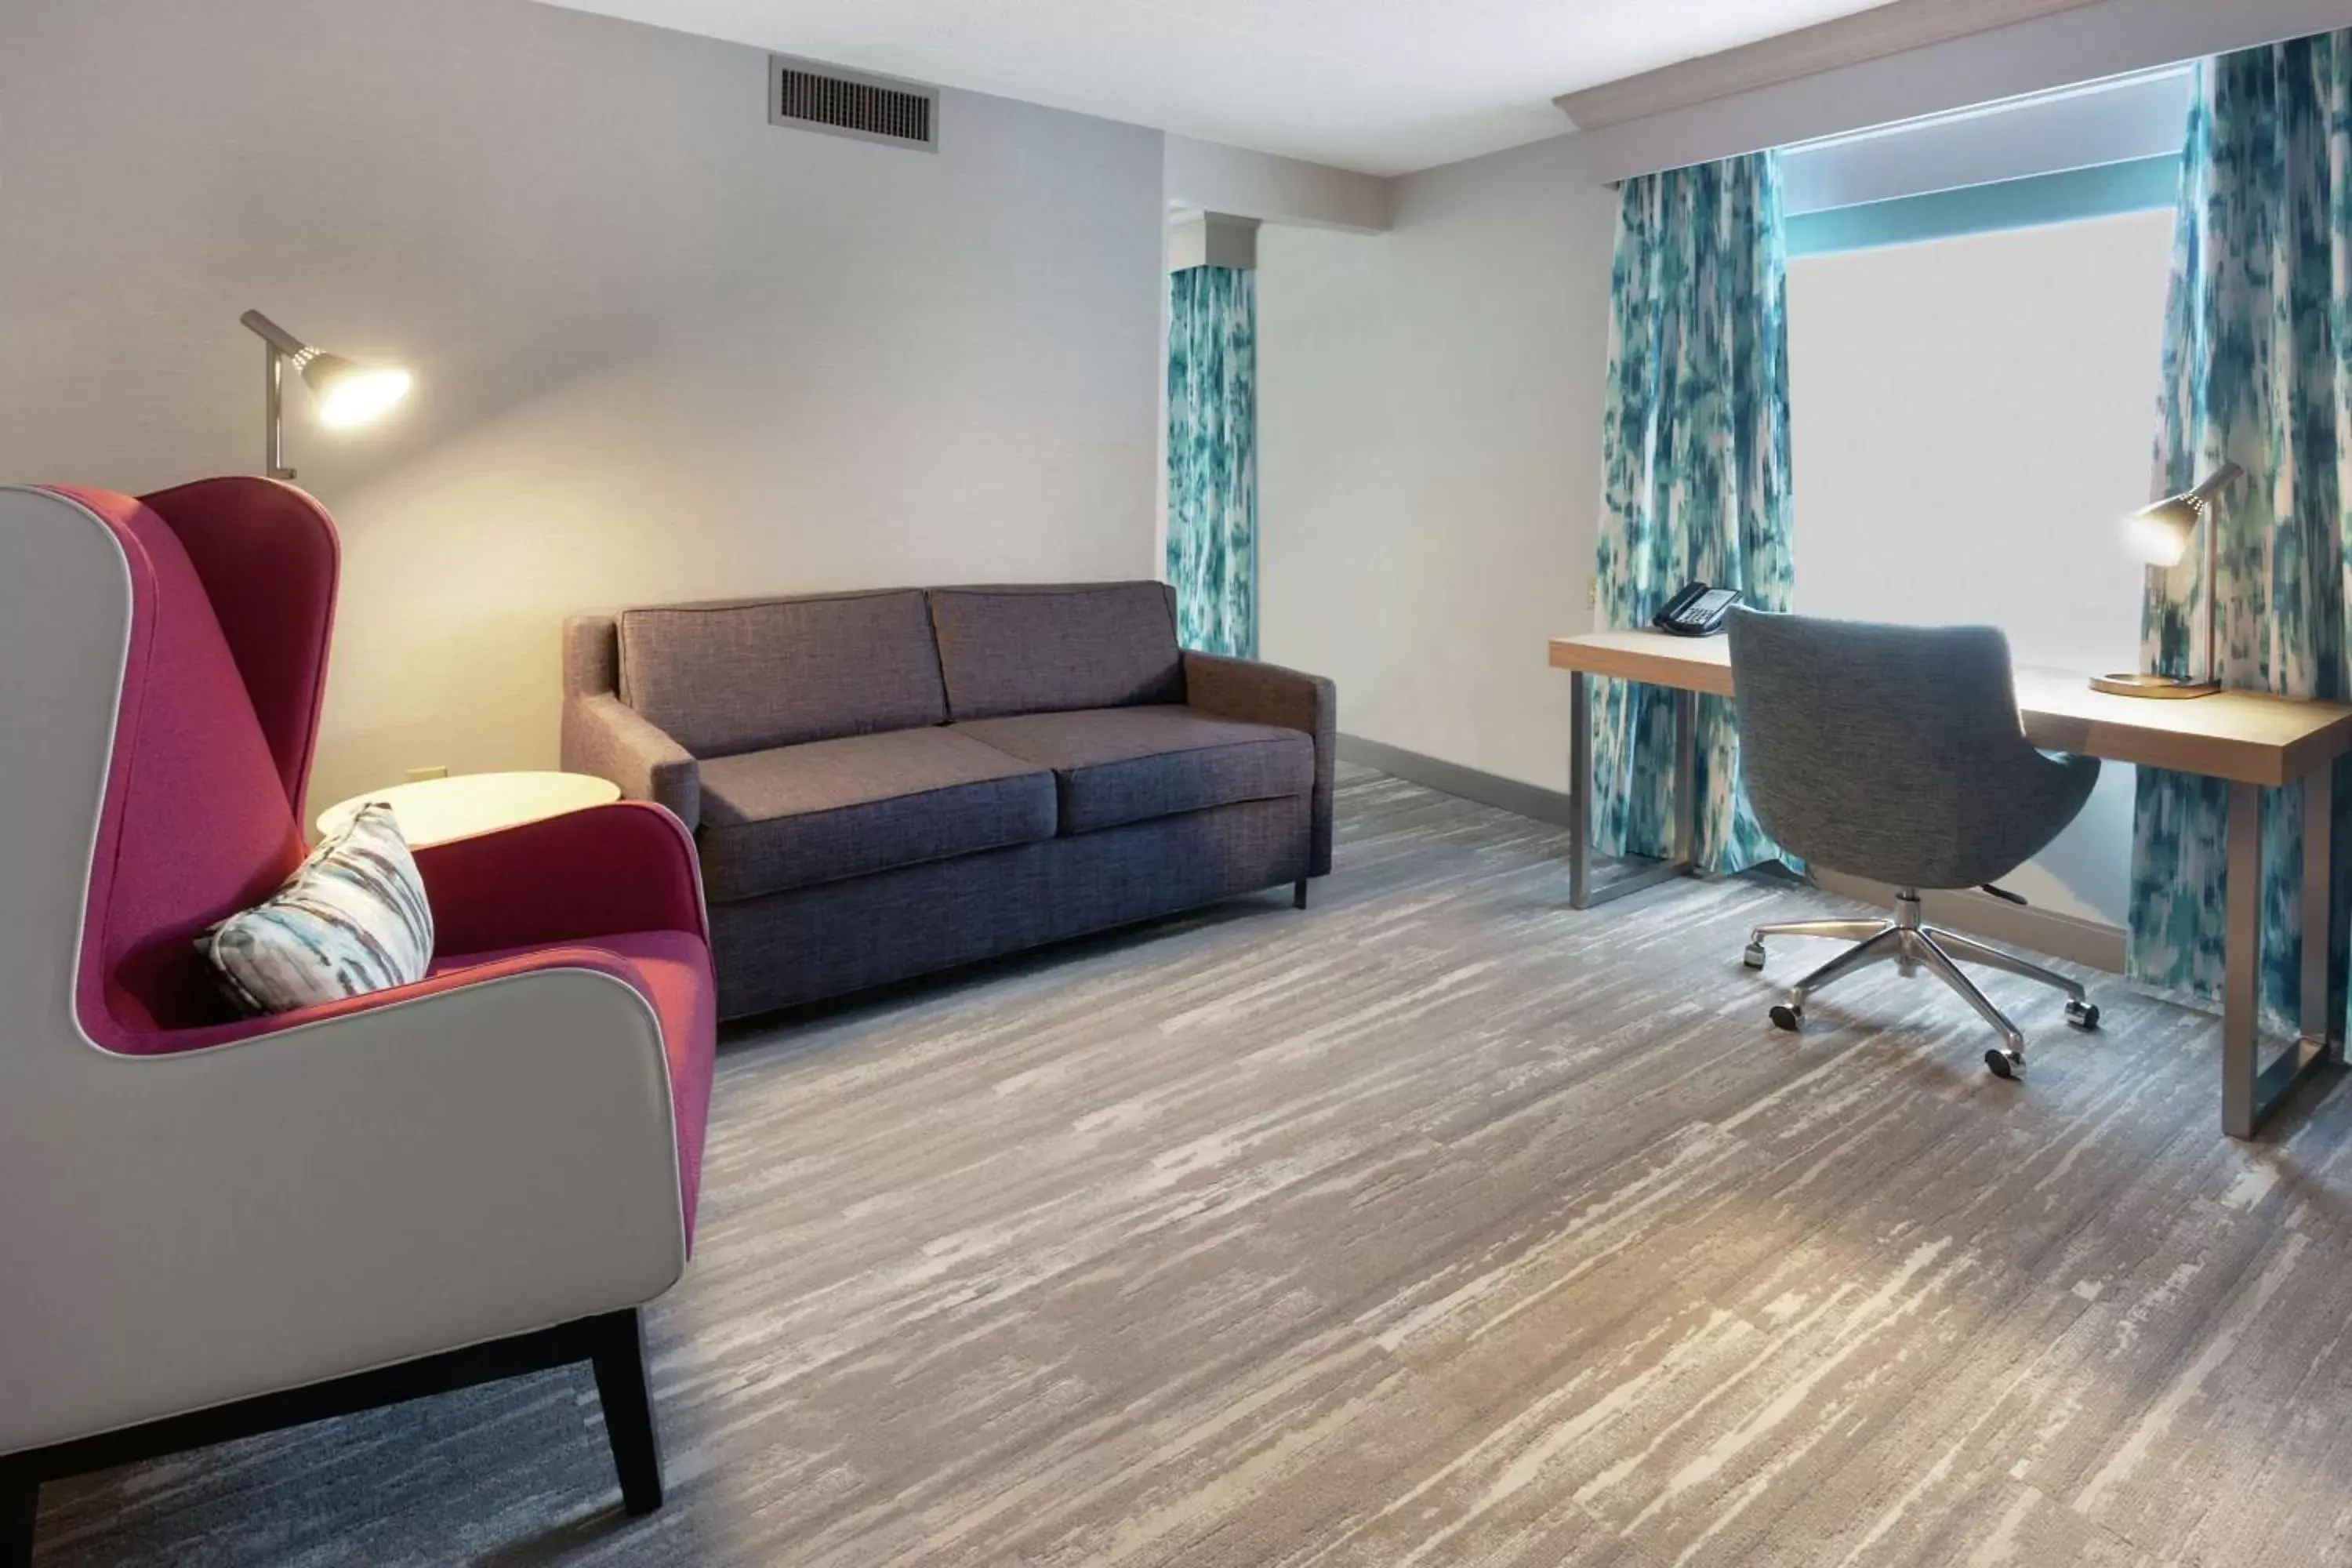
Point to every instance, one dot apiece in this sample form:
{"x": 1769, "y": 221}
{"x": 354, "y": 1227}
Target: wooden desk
{"x": 2247, "y": 738}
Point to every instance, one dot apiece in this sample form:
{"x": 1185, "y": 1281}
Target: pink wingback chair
{"x": 211, "y": 1226}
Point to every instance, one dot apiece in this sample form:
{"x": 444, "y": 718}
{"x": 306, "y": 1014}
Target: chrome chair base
{"x": 1912, "y": 946}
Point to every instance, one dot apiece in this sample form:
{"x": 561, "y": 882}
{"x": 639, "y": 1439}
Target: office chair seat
{"x": 1894, "y": 753}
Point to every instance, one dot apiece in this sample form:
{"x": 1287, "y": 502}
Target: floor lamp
{"x": 344, "y": 393}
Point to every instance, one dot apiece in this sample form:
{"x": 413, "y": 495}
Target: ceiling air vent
{"x": 844, "y": 103}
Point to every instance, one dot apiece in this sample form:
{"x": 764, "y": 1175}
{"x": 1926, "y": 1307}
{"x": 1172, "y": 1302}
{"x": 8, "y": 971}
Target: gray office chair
{"x": 1894, "y": 753}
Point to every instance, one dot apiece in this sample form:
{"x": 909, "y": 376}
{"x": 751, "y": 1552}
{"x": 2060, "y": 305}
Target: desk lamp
{"x": 345, "y": 393}
{"x": 2159, "y": 536}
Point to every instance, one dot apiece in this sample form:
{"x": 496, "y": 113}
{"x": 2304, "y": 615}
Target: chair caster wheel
{"x": 2005, "y": 1064}
{"x": 2084, "y": 1015}
{"x": 1754, "y": 957}
{"x": 1787, "y": 1018}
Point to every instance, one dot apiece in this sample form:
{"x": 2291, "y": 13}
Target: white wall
{"x": 1429, "y": 430}
{"x": 1970, "y": 419}
{"x": 664, "y": 350}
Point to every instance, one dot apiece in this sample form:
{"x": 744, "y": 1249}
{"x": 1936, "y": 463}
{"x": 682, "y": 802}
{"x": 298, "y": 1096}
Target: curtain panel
{"x": 2257, "y": 369}
{"x": 1212, "y": 457}
{"x": 1696, "y": 476}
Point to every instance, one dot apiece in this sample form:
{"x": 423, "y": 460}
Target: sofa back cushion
{"x": 725, "y": 679}
{"x": 1054, "y": 647}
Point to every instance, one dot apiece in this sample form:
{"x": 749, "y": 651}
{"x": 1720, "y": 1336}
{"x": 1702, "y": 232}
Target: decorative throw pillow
{"x": 351, "y": 920}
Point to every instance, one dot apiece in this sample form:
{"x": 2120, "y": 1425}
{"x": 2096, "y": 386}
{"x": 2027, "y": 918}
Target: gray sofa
{"x": 885, "y": 783}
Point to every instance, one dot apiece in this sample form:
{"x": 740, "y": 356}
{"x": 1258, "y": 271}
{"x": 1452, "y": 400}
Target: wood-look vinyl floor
{"x": 1438, "y": 1224}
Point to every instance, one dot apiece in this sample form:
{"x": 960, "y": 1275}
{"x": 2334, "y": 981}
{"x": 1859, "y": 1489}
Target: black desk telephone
{"x": 1698, "y": 611}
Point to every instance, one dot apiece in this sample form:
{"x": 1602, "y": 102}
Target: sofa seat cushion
{"x": 1115, "y": 765}
{"x": 798, "y": 815}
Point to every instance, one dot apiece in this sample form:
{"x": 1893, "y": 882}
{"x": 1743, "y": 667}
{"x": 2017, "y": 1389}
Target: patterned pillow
{"x": 351, "y": 920}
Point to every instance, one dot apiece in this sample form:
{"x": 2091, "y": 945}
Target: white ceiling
{"x": 1382, "y": 86}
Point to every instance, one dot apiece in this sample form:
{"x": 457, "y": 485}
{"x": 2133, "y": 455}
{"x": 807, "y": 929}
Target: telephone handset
{"x": 1698, "y": 611}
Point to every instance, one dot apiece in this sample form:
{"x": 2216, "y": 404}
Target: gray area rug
{"x": 1440, "y": 1223}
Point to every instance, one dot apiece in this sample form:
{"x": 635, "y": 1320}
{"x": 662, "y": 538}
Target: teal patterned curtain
{"x": 2257, "y": 368}
{"x": 1212, "y": 457}
{"x": 1696, "y": 448}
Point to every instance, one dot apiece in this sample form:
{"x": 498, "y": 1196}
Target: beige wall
{"x": 1429, "y": 454}
{"x": 664, "y": 348}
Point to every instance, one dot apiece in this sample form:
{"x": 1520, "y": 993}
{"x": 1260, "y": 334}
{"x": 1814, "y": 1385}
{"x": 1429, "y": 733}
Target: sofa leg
{"x": 20, "y": 1503}
{"x": 620, "y": 1359}
{"x": 1298, "y": 894}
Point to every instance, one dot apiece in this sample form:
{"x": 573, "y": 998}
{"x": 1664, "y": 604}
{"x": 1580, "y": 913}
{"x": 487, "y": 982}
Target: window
{"x": 1973, "y": 378}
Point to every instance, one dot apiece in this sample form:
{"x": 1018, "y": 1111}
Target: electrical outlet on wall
{"x": 1592, "y": 592}
{"x": 418, "y": 775}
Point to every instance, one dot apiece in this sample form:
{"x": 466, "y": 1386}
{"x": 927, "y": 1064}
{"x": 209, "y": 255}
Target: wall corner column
{"x": 1212, "y": 239}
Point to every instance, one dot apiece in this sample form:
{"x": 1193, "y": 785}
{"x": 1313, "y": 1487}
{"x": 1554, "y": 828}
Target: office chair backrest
{"x": 1893, "y": 753}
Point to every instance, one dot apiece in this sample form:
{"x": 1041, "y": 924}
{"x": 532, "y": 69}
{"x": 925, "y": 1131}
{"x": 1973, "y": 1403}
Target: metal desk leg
{"x": 2319, "y": 1030}
{"x": 2242, "y": 957}
{"x": 1580, "y": 789}
{"x": 2250, "y": 1091}
{"x": 1582, "y": 892}
{"x": 1684, "y": 848}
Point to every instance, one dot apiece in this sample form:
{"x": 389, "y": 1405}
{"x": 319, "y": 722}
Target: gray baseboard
{"x": 1452, "y": 778}
{"x": 2086, "y": 942}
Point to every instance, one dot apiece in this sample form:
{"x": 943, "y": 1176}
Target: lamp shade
{"x": 349, "y": 393}
{"x": 2160, "y": 535}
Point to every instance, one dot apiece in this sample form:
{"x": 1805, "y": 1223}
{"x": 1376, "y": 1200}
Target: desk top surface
{"x": 2247, "y": 736}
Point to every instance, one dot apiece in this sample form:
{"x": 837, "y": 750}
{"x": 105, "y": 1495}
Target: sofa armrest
{"x": 605, "y": 736}
{"x": 1269, "y": 694}
{"x": 606, "y": 871}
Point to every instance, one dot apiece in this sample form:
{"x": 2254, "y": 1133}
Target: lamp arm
{"x": 2212, "y": 517}
{"x": 276, "y": 336}
{"x": 2203, "y": 498}
{"x": 273, "y": 414}
{"x": 279, "y": 345}
{"x": 2220, "y": 480}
